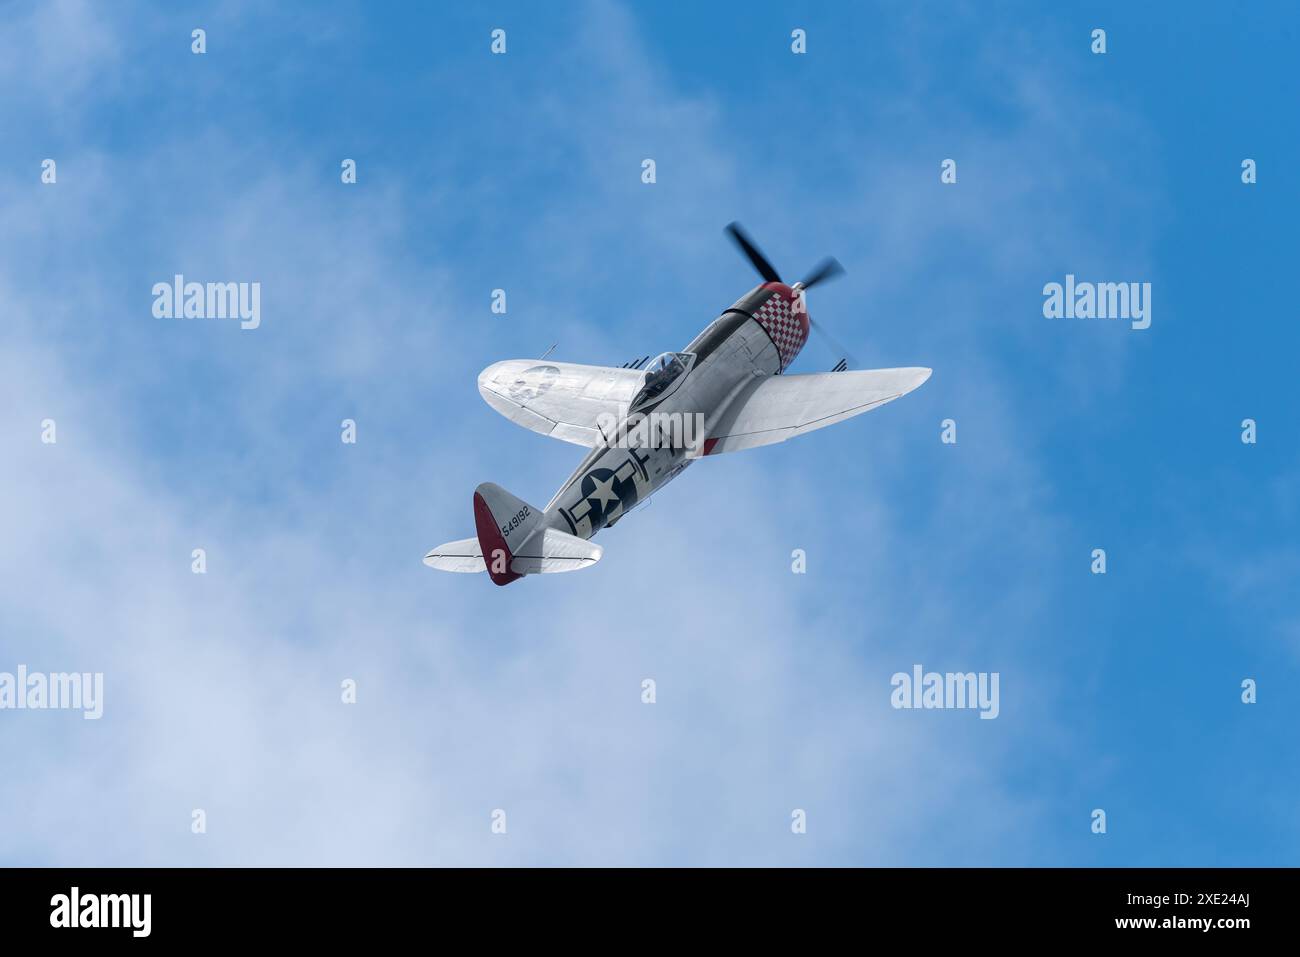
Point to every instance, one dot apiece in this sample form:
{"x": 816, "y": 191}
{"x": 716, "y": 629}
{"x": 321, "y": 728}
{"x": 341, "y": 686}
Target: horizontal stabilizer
{"x": 462, "y": 556}
{"x": 548, "y": 552}
{"x": 551, "y": 551}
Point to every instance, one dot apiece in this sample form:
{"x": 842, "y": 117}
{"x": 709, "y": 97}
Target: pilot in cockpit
{"x": 663, "y": 372}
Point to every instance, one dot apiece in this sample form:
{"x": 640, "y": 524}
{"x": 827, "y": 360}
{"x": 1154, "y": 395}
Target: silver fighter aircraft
{"x": 645, "y": 423}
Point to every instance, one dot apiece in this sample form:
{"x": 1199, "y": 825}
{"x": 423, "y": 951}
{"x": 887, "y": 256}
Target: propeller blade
{"x": 828, "y": 268}
{"x": 821, "y": 331}
{"x": 756, "y": 258}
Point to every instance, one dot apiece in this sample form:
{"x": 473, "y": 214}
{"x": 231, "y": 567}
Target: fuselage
{"x": 658, "y": 437}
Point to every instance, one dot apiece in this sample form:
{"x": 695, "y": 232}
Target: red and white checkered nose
{"x": 785, "y": 317}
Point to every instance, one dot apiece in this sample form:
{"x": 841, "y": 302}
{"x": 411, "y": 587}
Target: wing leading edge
{"x": 780, "y": 407}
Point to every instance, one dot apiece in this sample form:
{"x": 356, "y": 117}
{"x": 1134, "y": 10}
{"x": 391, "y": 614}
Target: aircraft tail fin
{"x": 503, "y": 523}
{"x": 512, "y": 541}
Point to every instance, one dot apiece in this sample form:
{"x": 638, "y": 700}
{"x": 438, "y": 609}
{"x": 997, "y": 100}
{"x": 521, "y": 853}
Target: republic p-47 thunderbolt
{"x": 645, "y": 423}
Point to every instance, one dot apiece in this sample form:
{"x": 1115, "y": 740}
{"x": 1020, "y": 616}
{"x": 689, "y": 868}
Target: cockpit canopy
{"x": 663, "y": 374}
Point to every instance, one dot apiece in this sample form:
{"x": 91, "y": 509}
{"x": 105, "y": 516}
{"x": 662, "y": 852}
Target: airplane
{"x": 645, "y": 422}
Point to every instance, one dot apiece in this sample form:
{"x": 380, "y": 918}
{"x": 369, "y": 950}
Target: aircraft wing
{"x": 780, "y": 407}
{"x": 561, "y": 399}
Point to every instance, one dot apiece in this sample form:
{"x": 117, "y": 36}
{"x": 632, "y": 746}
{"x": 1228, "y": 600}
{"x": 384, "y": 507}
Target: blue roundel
{"x": 605, "y": 493}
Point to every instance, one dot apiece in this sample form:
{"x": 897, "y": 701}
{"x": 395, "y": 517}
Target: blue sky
{"x": 522, "y": 172}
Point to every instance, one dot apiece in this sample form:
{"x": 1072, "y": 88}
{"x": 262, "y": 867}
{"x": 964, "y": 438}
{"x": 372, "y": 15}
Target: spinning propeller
{"x": 828, "y": 268}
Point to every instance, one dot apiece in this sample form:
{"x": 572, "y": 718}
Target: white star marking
{"x": 604, "y": 493}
